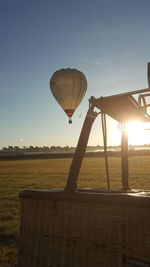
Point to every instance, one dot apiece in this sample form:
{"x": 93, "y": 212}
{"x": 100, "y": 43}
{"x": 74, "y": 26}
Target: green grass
{"x": 52, "y": 173}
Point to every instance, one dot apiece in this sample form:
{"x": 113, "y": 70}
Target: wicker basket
{"x": 84, "y": 229}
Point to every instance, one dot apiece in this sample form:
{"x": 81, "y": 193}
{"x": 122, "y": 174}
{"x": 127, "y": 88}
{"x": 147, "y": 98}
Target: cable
{"x": 104, "y": 130}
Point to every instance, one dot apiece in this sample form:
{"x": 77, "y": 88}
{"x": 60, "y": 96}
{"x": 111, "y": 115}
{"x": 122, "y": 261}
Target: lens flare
{"x": 137, "y": 133}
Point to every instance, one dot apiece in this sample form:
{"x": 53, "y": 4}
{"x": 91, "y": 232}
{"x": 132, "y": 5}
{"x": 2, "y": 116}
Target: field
{"x": 17, "y": 175}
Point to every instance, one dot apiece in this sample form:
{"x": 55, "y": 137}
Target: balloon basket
{"x": 84, "y": 228}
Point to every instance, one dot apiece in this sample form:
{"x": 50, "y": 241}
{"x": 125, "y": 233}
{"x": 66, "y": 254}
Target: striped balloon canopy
{"x": 68, "y": 87}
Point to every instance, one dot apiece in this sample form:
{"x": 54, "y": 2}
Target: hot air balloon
{"x": 68, "y": 86}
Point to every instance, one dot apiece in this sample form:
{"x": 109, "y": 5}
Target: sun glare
{"x": 138, "y": 133}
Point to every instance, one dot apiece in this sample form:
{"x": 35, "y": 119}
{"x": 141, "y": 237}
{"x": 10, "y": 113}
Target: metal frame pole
{"x": 124, "y": 159}
{"x": 80, "y": 150}
{"x": 130, "y": 93}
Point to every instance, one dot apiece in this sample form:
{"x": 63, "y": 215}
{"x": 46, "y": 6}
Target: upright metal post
{"x": 80, "y": 150}
{"x": 124, "y": 159}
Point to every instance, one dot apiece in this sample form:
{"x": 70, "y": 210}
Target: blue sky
{"x": 109, "y": 41}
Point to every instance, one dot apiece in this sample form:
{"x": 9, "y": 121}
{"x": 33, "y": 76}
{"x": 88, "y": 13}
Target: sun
{"x": 138, "y": 133}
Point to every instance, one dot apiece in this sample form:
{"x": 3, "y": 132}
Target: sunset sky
{"x": 109, "y": 41}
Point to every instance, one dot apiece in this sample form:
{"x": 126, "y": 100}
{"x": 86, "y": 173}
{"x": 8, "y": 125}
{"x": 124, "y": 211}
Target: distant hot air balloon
{"x": 68, "y": 86}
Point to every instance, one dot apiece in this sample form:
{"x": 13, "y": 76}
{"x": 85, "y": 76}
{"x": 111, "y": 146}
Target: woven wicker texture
{"x": 57, "y": 233}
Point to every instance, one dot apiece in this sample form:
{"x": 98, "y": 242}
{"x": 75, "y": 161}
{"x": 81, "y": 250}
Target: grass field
{"x": 52, "y": 173}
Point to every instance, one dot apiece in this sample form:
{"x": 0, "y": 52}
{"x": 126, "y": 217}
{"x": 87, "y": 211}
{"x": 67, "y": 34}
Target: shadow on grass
{"x": 8, "y": 239}
{"x": 9, "y": 256}
{"x": 8, "y": 250}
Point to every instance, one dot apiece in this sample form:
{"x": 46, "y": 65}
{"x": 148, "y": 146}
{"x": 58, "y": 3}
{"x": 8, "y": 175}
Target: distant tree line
{"x": 46, "y": 149}
{"x": 59, "y": 149}
{"x": 37, "y": 149}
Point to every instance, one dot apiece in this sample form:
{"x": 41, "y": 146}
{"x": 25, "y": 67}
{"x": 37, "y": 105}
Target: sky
{"x": 108, "y": 40}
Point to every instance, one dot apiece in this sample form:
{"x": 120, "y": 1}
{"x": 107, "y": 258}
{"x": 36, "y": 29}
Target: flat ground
{"x": 18, "y": 175}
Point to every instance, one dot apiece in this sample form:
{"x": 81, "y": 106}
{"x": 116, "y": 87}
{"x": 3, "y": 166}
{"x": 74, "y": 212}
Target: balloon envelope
{"x": 68, "y": 86}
